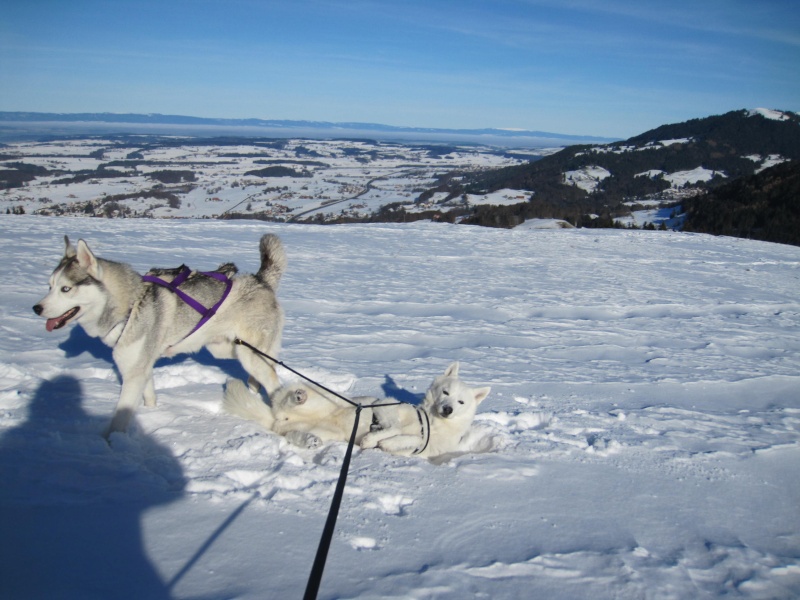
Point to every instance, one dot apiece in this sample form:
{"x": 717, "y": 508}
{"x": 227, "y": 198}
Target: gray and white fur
{"x": 143, "y": 321}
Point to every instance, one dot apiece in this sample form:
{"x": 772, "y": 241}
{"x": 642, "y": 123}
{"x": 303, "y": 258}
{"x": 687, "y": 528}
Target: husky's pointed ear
{"x": 87, "y": 260}
{"x": 69, "y": 249}
{"x": 480, "y": 394}
{"x": 452, "y": 370}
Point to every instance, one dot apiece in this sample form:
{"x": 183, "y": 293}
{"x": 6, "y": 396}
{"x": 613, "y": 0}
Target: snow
{"x": 769, "y": 113}
{"x": 617, "y": 148}
{"x": 588, "y": 178}
{"x": 675, "y": 141}
{"x": 439, "y": 201}
{"x": 678, "y": 179}
{"x": 504, "y": 197}
{"x": 545, "y": 224}
{"x": 681, "y": 178}
{"x": 640, "y": 440}
{"x": 655, "y": 215}
{"x": 651, "y": 174}
{"x": 766, "y": 163}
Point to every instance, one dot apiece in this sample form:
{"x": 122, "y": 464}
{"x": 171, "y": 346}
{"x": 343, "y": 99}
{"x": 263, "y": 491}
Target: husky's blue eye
{"x": 65, "y": 289}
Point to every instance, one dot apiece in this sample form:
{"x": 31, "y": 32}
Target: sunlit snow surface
{"x": 640, "y": 439}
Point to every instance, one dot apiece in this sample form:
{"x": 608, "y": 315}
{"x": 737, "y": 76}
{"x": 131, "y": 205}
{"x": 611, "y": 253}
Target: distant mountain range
{"x": 282, "y": 128}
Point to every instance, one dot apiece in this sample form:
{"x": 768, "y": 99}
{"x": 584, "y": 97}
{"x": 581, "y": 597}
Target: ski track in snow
{"x": 640, "y": 439}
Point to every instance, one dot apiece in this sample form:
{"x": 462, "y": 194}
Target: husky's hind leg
{"x": 259, "y": 368}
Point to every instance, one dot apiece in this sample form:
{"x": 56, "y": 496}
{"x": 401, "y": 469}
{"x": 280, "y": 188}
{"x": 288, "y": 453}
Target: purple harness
{"x": 173, "y": 286}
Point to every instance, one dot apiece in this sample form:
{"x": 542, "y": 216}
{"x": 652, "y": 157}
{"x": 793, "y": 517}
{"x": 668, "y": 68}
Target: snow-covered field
{"x": 587, "y": 178}
{"x": 640, "y": 440}
{"x": 324, "y": 179}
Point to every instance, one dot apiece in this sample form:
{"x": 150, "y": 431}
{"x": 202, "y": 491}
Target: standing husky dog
{"x": 432, "y": 429}
{"x": 144, "y": 320}
{"x": 307, "y": 415}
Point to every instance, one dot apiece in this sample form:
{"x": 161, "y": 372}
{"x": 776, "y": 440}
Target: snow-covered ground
{"x": 332, "y": 178}
{"x": 587, "y": 178}
{"x": 655, "y": 214}
{"x": 640, "y": 440}
{"x": 680, "y": 179}
{"x": 768, "y": 113}
{"x": 544, "y": 224}
{"x": 766, "y": 162}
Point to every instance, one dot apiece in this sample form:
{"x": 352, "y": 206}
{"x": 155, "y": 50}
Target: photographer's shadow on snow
{"x": 71, "y": 505}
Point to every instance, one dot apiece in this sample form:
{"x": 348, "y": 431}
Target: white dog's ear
{"x": 87, "y": 260}
{"x": 452, "y": 370}
{"x": 69, "y": 249}
{"x": 481, "y": 393}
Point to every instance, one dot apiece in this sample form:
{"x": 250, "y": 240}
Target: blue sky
{"x": 583, "y": 67}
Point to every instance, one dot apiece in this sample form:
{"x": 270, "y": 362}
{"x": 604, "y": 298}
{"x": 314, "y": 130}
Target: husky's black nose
{"x": 38, "y": 309}
{"x": 447, "y": 411}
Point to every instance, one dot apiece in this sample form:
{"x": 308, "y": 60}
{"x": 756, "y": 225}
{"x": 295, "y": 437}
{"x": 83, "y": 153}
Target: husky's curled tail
{"x": 273, "y": 260}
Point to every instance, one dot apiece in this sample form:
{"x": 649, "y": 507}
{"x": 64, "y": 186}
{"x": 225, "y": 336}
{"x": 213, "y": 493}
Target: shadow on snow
{"x": 71, "y": 505}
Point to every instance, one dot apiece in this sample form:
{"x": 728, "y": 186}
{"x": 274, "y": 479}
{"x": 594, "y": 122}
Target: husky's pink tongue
{"x": 59, "y": 322}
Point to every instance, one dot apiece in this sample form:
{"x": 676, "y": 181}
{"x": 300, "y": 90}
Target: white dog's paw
{"x": 369, "y": 441}
{"x": 393, "y": 449}
{"x": 304, "y": 439}
{"x": 300, "y": 396}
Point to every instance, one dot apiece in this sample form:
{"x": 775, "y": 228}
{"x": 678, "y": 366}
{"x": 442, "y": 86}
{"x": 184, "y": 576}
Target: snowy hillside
{"x": 644, "y": 178}
{"x": 640, "y": 439}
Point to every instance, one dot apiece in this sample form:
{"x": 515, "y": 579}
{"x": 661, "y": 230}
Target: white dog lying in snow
{"x": 309, "y": 416}
{"x": 431, "y": 429}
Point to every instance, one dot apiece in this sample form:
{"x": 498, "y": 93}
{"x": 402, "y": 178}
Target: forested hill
{"x": 765, "y": 206}
{"x": 739, "y": 132}
{"x": 667, "y": 164}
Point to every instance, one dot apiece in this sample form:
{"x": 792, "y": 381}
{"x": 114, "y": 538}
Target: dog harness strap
{"x": 173, "y": 286}
{"x": 425, "y": 429}
{"x": 207, "y": 314}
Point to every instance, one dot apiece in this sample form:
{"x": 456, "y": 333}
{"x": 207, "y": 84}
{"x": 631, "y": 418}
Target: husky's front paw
{"x": 392, "y": 448}
{"x": 304, "y": 439}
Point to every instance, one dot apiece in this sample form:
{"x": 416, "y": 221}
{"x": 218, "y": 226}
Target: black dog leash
{"x": 315, "y": 578}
